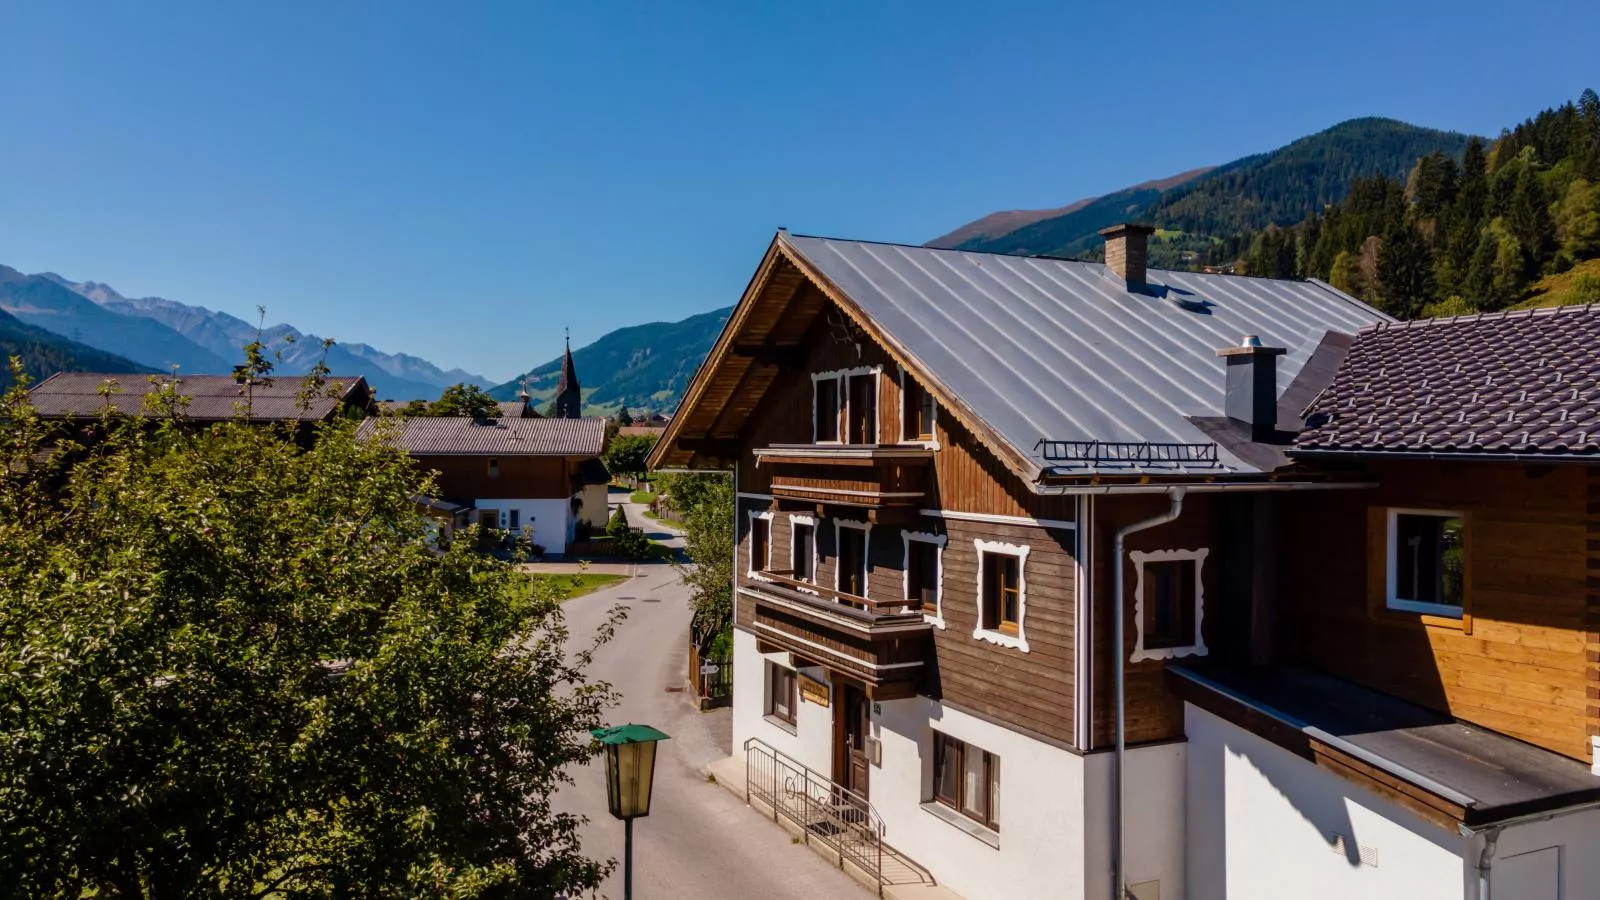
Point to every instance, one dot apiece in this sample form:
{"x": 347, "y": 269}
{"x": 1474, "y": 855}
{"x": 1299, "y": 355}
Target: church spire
{"x": 569, "y": 397}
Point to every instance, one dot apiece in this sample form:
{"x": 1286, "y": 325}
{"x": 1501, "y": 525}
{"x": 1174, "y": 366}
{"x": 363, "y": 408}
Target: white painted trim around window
{"x": 925, "y": 537}
{"x": 1139, "y": 558}
{"x": 1019, "y": 641}
{"x": 997, "y": 519}
{"x": 799, "y": 519}
{"x": 866, "y": 553}
{"x": 1391, "y": 565}
{"x": 916, "y": 440}
{"x": 843, "y": 376}
{"x": 753, "y": 571}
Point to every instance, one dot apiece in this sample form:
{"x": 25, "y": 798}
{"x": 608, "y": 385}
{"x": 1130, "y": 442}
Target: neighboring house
{"x": 532, "y": 476}
{"x": 520, "y": 408}
{"x": 959, "y": 475}
{"x": 210, "y": 398}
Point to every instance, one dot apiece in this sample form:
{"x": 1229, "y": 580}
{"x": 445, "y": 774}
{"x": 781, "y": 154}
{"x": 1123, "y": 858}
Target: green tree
{"x": 628, "y": 454}
{"x": 1405, "y": 272}
{"x": 1577, "y": 221}
{"x": 465, "y": 400}
{"x": 624, "y": 418}
{"x": 231, "y": 666}
{"x": 707, "y": 503}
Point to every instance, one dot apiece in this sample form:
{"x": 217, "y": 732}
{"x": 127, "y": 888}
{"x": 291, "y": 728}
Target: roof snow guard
{"x": 1066, "y": 457}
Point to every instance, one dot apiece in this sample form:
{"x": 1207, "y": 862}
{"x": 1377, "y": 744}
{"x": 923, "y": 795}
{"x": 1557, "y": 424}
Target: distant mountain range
{"x": 643, "y": 366}
{"x": 44, "y": 353}
{"x": 157, "y": 334}
{"x": 1280, "y": 188}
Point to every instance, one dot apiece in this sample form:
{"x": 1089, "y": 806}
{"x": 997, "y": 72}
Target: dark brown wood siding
{"x": 467, "y": 477}
{"x": 1519, "y": 665}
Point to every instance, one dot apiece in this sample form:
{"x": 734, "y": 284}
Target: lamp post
{"x": 630, "y": 770}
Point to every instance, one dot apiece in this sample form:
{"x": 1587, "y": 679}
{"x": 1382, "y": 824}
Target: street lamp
{"x": 630, "y": 769}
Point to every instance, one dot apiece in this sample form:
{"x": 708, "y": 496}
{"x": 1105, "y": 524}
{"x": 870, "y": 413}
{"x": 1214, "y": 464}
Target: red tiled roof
{"x": 212, "y": 398}
{"x": 1522, "y": 383}
{"x": 464, "y": 436}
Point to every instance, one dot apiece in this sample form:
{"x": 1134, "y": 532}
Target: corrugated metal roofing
{"x": 211, "y": 397}
{"x": 1062, "y": 350}
{"x": 1519, "y": 383}
{"x": 463, "y": 436}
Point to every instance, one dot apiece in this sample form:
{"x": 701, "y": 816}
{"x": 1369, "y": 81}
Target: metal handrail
{"x": 835, "y": 815}
{"x": 1126, "y": 451}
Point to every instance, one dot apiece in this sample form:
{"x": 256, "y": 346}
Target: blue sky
{"x": 459, "y": 181}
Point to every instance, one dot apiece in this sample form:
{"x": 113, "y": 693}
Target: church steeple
{"x": 569, "y": 397}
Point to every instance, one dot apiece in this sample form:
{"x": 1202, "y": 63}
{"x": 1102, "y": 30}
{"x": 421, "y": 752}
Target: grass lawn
{"x": 578, "y": 585}
{"x": 643, "y": 497}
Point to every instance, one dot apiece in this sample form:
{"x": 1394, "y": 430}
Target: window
{"x": 1427, "y": 562}
{"x": 850, "y": 576}
{"x": 863, "y": 408}
{"x": 922, "y": 573}
{"x": 802, "y": 550}
{"x": 760, "y": 542}
{"x": 825, "y": 412}
{"x": 516, "y": 519}
{"x": 494, "y": 467}
{"x": 783, "y": 693}
{"x": 967, "y": 780}
{"x": 919, "y": 411}
{"x": 1168, "y": 603}
{"x": 1000, "y": 594}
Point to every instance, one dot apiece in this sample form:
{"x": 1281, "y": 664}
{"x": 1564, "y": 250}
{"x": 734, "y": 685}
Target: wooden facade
{"x": 514, "y": 477}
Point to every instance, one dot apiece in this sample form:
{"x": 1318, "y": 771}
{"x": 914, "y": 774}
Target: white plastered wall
{"x": 1554, "y": 859}
{"x": 1265, "y": 824}
{"x": 547, "y": 523}
{"x": 811, "y": 742}
{"x": 1155, "y": 824}
{"x": 1040, "y": 853}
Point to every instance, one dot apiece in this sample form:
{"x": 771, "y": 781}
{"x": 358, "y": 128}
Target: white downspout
{"x": 1490, "y": 838}
{"x": 1119, "y": 656}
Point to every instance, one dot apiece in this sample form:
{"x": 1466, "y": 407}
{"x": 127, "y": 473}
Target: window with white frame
{"x": 923, "y": 569}
{"x": 844, "y": 406}
{"x": 1169, "y": 603}
{"x": 852, "y": 540}
{"x": 918, "y": 410}
{"x": 1427, "y": 562}
{"x": 1002, "y": 594}
{"x": 760, "y": 543}
{"x": 803, "y": 548}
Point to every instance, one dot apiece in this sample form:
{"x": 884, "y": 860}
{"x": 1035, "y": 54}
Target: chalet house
{"x": 536, "y": 477}
{"x": 210, "y": 398}
{"x": 1042, "y": 572}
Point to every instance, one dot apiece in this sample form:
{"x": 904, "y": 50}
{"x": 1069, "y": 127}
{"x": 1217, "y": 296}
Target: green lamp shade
{"x": 630, "y": 767}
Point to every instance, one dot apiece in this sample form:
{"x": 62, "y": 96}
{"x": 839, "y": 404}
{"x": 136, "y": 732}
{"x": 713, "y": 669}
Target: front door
{"x": 851, "y": 761}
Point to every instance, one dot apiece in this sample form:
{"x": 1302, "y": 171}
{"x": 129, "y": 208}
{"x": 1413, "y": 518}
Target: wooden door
{"x": 856, "y": 714}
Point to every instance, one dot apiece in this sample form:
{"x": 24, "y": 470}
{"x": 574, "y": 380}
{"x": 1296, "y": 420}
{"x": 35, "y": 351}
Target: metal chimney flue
{"x": 1251, "y": 386}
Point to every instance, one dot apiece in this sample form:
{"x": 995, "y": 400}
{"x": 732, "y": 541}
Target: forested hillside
{"x": 1513, "y": 222}
{"x": 44, "y": 353}
{"x": 1276, "y": 188}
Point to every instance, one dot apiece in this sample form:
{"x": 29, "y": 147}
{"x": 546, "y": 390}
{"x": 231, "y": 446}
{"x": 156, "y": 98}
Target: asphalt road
{"x": 699, "y": 840}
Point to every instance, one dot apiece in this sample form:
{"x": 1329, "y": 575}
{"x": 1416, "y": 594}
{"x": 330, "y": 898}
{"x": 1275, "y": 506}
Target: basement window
{"x": 966, "y": 779}
{"x": 1169, "y": 603}
{"x": 1427, "y": 562}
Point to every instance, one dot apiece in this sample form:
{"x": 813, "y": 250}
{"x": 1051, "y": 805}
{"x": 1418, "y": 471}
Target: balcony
{"x": 880, "y": 643}
{"x": 875, "y": 477}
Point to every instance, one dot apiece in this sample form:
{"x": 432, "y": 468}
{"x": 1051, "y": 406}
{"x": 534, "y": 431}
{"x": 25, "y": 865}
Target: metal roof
{"x": 465, "y": 436}
{"x": 1521, "y": 383}
{"x": 211, "y": 397}
{"x": 1062, "y": 350}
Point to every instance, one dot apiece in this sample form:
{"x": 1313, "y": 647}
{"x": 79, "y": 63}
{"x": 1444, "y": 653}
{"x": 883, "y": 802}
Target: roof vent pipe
{"x": 1126, "y": 248}
{"x": 1251, "y": 389}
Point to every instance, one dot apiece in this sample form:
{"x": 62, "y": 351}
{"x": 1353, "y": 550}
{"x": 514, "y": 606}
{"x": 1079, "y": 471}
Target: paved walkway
{"x": 699, "y": 841}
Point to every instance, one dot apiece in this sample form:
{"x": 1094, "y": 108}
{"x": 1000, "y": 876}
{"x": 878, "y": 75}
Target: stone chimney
{"x": 1251, "y": 390}
{"x": 1125, "y": 251}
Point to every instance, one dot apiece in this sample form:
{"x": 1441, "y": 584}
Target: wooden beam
{"x": 717, "y": 448}
{"x": 786, "y": 359}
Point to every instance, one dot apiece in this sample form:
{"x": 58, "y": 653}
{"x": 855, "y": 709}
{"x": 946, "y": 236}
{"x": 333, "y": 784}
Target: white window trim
{"x": 767, "y": 714}
{"x": 799, "y": 519}
{"x": 866, "y": 553}
{"x": 926, "y": 537}
{"x": 932, "y": 444}
{"x": 1019, "y": 641}
{"x": 1392, "y": 569}
{"x": 751, "y": 570}
{"x": 1139, "y": 558}
{"x": 843, "y": 376}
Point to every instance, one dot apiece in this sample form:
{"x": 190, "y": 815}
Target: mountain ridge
{"x": 43, "y": 353}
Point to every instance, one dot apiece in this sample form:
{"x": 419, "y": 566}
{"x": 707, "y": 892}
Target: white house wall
{"x": 1155, "y": 824}
{"x": 1265, "y": 824}
{"x": 811, "y": 741}
{"x": 1523, "y": 868}
{"x": 1040, "y": 853}
{"x": 547, "y": 523}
